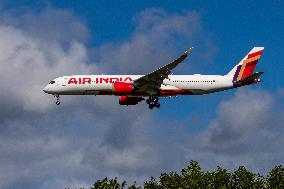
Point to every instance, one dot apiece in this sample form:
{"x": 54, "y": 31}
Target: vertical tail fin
{"x": 246, "y": 65}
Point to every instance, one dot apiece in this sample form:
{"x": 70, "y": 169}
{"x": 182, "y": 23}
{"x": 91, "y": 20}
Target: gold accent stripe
{"x": 241, "y": 72}
{"x": 252, "y": 59}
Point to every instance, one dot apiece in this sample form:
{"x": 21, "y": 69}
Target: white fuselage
{"x": 103, "y": 84}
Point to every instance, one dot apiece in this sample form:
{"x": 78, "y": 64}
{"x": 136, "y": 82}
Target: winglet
{"x": 182, "y": 57}
{"x": 188, "y": 51}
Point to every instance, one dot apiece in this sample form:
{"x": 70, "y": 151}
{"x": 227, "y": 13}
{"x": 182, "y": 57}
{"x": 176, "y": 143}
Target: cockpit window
{"x": 52, "y": 82}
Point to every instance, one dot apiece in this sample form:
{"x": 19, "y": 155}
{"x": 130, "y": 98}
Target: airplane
{"x": 132, "y": 89}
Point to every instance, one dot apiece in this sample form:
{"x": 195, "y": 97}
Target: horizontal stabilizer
{"x": 253, "y": 78}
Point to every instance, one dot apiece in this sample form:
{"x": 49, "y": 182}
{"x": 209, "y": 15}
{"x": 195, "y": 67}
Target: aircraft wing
{"x": 152, "y": 82}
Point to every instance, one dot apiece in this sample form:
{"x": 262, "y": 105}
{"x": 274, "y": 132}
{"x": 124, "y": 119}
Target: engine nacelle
{"x": 122, "y": 88}
{"x": 126, "y": 100}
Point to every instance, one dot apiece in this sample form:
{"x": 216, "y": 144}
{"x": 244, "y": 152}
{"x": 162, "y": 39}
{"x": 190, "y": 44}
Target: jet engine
{"x": 126, "y": 100}
{"x": 122, "y": 88}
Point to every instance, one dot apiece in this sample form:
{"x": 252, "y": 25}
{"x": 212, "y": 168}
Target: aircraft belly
{"x": 194, "y": 89}
{"x": 169, "y": 90}
{"x": 99, "y": 89}
{"x": 102, "y": 89}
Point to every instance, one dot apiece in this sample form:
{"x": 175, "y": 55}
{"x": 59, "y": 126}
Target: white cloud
{"x": 48, "y": 25}
{"x": 28, "y": 64}
{"x": 239, "y": 117}
{"x": 247, "y": 131}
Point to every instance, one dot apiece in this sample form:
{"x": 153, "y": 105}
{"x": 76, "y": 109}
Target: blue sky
{"x": 88, "y": 138}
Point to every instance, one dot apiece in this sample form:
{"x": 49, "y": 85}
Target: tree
{"x": 112, "y": 184}
{"x": 192, "y": 177}
{"x": 242, "y": 178}
{"x": 108, "y": 184}
{"x": 275, "y": 179}
{"x": 152, "y": 183}
{"x": 218, "y": 179}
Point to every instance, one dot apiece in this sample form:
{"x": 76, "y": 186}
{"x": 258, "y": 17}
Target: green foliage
{"x": 275, "y": 179}
{"x": 192, "y": 177}
{"x": 152, "y": 183}
{"x": 242, "y": 178}
{"x": 108, "y": 184}
{"x": 218, "y": 179}
{"x": 112, "y": 184}
{"x": 134, "y": 186}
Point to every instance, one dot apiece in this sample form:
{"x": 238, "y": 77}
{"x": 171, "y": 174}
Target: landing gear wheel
{"x": 57, "y": 102}
{"x": 148, "y": 101}
{"x": 153, "y": 102}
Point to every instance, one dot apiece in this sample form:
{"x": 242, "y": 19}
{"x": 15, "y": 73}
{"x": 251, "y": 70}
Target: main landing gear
{"x": 153, "y": 102}
{"x": 57, "y": 99}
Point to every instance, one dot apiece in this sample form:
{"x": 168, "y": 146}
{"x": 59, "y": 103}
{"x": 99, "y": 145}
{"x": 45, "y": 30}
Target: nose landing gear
{"x": 153, "y": 102}
{"x": 57, "y": 99}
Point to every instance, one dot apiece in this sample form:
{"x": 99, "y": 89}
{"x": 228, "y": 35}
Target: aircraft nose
{"x": 45, "y": 89}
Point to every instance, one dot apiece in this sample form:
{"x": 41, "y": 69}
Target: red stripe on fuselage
{"x": 174, "y": 92}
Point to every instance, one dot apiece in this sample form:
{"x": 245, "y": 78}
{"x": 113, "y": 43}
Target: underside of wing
{"x": 152, "y": 82}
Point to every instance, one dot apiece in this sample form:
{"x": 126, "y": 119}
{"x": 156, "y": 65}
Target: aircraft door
{"x": 64, "y": 82}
